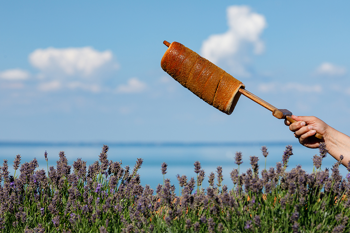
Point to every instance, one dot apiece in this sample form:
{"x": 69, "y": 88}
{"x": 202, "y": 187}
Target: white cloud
{"x": 245, "y": 28}
{"x": 296, "y": 87}
{"x": 70, "y": 61}
{"x": 83, "y": 86}
{"x": 14, "y": 74}
{"x": 302, "y": 88}
{"x": 267, "y": 87}
{"x": 50, "y": 86}
{"x": 133, "y": 86}
{"x": 165, "y": 79}
{"x": 329, "y": 69}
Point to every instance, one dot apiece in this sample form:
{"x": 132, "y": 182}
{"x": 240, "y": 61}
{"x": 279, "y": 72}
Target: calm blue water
{"x": 179, "y": 157}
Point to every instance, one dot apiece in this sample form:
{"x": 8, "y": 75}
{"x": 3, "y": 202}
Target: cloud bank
{"x": 233, "y": 47}
{"x": 329, "y": 69}
{"x": 133, "y": 86}
{"x": 69, "y": 69}
{"x": 14, "y": 75}
{"x": 275, "y": 87}
{"x": 70, "y": 61}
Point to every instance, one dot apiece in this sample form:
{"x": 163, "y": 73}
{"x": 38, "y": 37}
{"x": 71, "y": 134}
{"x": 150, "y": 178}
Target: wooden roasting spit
{"x": 211, "y": 83}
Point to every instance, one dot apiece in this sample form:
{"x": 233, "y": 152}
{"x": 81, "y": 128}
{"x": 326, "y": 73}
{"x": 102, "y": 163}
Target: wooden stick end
{"x": 167, "y": 44}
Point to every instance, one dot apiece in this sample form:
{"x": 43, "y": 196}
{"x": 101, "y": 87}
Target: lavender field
{"x": 109, "y": 195}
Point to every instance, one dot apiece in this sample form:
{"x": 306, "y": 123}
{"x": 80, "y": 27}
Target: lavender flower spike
{"x": 197, "y": 167}
{"x": 238, "y": 158}
{"x": 164, "y": 168}
{"x": 317, "y": 160}
{"x": 323, "y": 150}
{"x": 45, "y": 154}
{"x": 287, "y": 153}
{"x": 17, "y": 162}
{"x": 254, "y": 162}
{"x": 264, "y": 151}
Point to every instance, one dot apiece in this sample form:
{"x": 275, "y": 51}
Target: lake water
{"x": 180, "y": 157}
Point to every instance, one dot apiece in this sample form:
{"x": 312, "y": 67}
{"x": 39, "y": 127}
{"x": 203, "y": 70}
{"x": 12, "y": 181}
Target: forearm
{"x": 337, "y": 144}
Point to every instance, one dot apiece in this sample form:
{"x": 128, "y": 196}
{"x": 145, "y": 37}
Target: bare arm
{"x": 336, "y": 142}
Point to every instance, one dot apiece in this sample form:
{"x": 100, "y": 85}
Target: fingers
{"x": 297, "y": 118}
{"x": 317, "y": 124}
{"x": 306, "y": 135}
{"x": 307, "y": 119}
{"x": 297, "y": 125}
{"x": 301, "y": 131}
{"x": 286, "y": 122}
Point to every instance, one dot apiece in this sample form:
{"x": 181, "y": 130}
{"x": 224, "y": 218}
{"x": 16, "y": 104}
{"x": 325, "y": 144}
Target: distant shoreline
{"x": 143, "y": 144}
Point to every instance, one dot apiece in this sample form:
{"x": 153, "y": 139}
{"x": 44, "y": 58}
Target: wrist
{"x": 329, "y": 138}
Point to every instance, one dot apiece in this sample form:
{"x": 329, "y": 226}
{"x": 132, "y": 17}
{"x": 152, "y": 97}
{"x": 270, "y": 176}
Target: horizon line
{"x": 146, "y": 143}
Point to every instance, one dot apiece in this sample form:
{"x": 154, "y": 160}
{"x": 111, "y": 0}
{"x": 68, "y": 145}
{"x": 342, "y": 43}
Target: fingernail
{"x": 302, "y": 123}
{"x": 313, "y": 131}
{"x": 310, "y": 127}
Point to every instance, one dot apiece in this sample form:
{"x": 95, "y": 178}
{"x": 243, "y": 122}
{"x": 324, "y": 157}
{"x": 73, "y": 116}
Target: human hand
{"x": 305, "y": 128}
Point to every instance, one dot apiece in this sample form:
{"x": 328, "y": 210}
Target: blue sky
{"x": 90, "y": 71}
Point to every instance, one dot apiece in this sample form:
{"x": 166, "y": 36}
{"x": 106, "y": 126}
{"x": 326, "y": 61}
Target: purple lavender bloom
{"x": 56, "y": 221}
{"x": 196, "y": 227}
{"x": 211, "y": 179}
{"x": 286, "y": 155}
{"x": 16, "y": 162}
{"x": 295, "y": 227}
{"x": 45, "y": 154}
{"x": 264, "y": 151}
{"x": 42, "y": 210}
{"x": 338, "y": 217}
{"x": 248, "y": 225}
{"x": 211, "y": 224}
{"x": 197, "y": 167}
{"x": 85, "y": 209}
{"x": 98, "y": 188}
{"x": 238, "y": 158}
{"x": 254, "y": 162}
{"x": 203, "y": 219}
{"x": 323, "y": 150}
{"x": 188, "y": 224}
{"x": 220, "y": 176}
{"x": 151, "y": 228}
{"x": 103, "y": 158}
{"x": 278, "y": 168}
{"x": 5, "y": 172}
{"x": 182, "y": 180}
{"x": 295, "y": 216}
{"x": 201, "y": 177}
{"x": 317, "y": 161}
{"x": 257, "y": 220}
{"x": 265, "y": 176}
{"x": 234, "y": 176}
{"x": 220, "y": 227}
{"x": 103, "y": 229}
{"x": 164, "y": 168}
{"x": 168, "y": 220}
{"x": 191, "y": 184}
